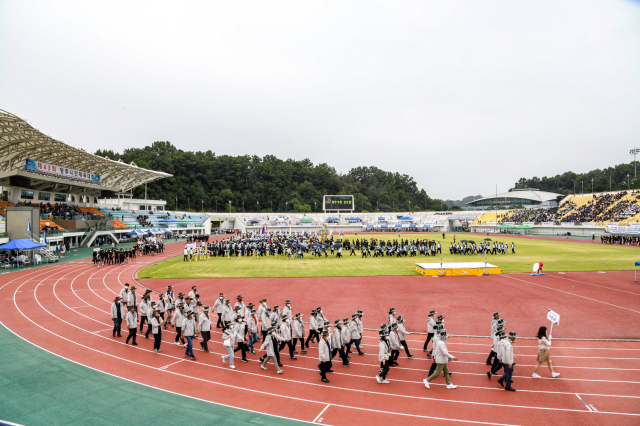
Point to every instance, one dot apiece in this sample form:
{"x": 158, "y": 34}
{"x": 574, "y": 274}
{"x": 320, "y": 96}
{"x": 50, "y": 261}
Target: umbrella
{"x": 300, "y": 246}
{"x": 472, "y": 242}
{"x": 337, "y": 245}
{"x": 488, "y": 239}
{"x": 463, "y": 241}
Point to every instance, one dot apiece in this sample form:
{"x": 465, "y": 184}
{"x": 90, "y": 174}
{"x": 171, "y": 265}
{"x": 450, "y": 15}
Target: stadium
{"x": 144, "y": 281}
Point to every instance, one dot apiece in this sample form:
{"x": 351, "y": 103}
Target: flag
{"x": 45, "y": 237}
{"x": 28, "y": 225}
{"x": 264, "y": 228}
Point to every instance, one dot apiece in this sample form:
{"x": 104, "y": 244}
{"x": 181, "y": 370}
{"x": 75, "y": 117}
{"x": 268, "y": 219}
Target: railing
{"x": 72, "y": 217}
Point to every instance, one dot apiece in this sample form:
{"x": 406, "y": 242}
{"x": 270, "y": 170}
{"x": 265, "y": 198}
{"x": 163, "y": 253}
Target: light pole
{"x": 377, "y": 206}
{"x": 216, "y": 205}
{"x": 633, "y": 152}
{"x": 271, "y": 206}
{"x": 286, "y": 207}
{"x": 176, "y": 203}
{"x": 202, "y": 205}
{"x": 582, "y": 183}
{"x": 592, "y": 185}
{"x": 258, "y": 206}
{"x": 628, "y": 182}
{"x": 229, "y": 206}
{"x": 315, "y": 210}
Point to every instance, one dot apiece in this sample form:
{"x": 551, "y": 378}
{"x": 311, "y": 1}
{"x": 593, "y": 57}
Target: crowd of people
{"x": 624, "y": 240}
{"x": 603, "y": 207}
{"x": 56, "y": 209}
{"x": 115, "y": 256}
{"x": 259, "y": 329}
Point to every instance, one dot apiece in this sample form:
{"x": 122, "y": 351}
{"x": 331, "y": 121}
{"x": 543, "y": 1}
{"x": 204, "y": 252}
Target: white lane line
{"x": 585, "y": 404}
{"x": 318, "y": 418}
{"x": 573, "y": 294}
{"x": 99, "y": 331}
{"x": 601, "y": 286}
{"x": 169, "y": 365}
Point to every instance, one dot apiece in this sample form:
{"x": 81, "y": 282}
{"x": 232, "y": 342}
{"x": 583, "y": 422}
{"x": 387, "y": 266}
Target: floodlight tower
{"x": 633, "y": 152}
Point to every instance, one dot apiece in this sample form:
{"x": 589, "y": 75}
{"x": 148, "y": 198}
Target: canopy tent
{"x": 413, "y": 225}
{"x": 398, "y": 225}
{"x": 135, "y": 232}
{"x": 382, "y": 218}
{"x": 384, "y": 226}
{"x": 514, "y": 227}
{"x": 254, "y": 220}
{"x": 186, "y": 220}
{"x": 306, "y": 219}
{"x": 333, "y": 219}
{"x": 21, "y": 244}
{"x": 405, "y": 218}
{"x": 169, "y": 220}
{"x": 369, "y": 226}
{"x": 426, "y": 225}
{"x": 355, "y": 219}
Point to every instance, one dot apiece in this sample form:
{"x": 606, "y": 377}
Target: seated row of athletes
{"x": 485, "y": 247}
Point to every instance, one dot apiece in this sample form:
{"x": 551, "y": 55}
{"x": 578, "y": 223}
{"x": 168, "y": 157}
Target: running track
{"x": 64, "y": 309}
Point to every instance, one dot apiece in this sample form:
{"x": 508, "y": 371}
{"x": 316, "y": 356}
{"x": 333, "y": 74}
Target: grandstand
{"x": 68, "y": 189}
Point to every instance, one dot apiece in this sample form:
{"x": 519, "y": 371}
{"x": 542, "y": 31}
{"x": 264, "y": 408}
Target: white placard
{"x": 553, "y": 317}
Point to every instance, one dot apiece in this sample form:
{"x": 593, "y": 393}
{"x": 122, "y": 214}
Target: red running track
{"x": 64, "y": 309}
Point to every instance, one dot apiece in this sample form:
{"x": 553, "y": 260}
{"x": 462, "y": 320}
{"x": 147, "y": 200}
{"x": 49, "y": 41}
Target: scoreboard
{"x": 338, "y": 203}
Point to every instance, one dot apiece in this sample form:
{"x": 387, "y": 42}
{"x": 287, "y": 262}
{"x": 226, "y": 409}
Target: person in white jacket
{"x": 384, "y": 356}
{"x": 286, "y": 334}
{"x": 355, "y": 335}
{"x": 507, "y": 361}
{"x": 324, "y": 355}
{"x": 217, "y": 306}
{"x": 156, "y": 328}
{"x": 442, "y": 358}
{"x": 132, "y": 323}
{"x": 394, "y": 341}
{"x": 402, "y": 333}
{"x": 178, "y": 323}
{"x": 118, "y": 312}
{"x": 268, "y": 347}
{"x": 313, "y": 328}
{"x": 543, "y": 356}
{"x": 240, "y": 329}
{"x": 431, "y": 329}
{"x": 298, "y": 333}
{"x": 204, "y": 327}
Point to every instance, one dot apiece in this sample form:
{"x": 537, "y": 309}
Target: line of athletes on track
{"x": 113, "y": 256}
{"x": 281, "y": 329}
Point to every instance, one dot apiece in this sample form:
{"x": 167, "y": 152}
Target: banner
{"x": 191, "y": 225}
{"x": 631, "y": 230}
{"x": 172, "y": 226}
{"x": 588, "y": 224}
{"x": 612, "y": 223}
{"x": 548, "y": 223}
{"x": 509, "y": 223}
{"x": 528, "y": 223}
{"x": 567, "y": 224}
{"x": 61, "y": 172}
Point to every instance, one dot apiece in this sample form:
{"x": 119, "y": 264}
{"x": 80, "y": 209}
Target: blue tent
{"x": 406, "y": 218}
{"x": 369, "y": 226}
{"x": 384, "y": 226}
{"x": 413, "y": 225}
{"x": 22, "y": 244}
{"x": 167, "y": 220}
{"x": 355, "y": 219}
{"x": 134, "y": 232}
{"x": 382, "y": 218}
{"x": 333, "y": 219}
{"x": 634, "y": 277}
{"x": 426, "y": 226}
{"x": 254, "y": 220}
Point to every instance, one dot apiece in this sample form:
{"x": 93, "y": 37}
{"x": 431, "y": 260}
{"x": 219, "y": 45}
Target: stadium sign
{"x": 52, "y": 170}
{"x": 338, "y": 202}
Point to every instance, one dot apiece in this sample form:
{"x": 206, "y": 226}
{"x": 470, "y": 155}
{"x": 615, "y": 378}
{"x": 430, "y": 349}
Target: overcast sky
{"x": 461, "y": 95}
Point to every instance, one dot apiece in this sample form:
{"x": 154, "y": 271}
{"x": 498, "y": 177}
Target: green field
{"x": 557, "y": 256}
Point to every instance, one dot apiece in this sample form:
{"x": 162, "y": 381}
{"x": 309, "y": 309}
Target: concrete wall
{"x": 17, "y": 220}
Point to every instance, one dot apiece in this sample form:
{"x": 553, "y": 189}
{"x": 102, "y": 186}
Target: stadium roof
{"x": 19, "y": 141}
{"x": 535, "y": 196}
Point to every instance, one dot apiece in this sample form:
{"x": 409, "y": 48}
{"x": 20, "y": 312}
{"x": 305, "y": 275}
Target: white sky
{"x": 461, "y": 95}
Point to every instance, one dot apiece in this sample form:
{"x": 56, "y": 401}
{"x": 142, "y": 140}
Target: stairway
{"x": 43, "y": 252}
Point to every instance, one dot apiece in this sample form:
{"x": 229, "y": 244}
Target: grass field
{"x": 556, "y": 255}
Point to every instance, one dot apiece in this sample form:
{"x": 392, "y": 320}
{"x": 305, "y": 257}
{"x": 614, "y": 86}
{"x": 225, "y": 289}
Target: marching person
{"x": 337, "y": 344}
{"x": 156, "y": 328}
{"x": 240, "y": 330}
{"x": 391, "y": 317}
{"x": 227, "y": 312}
{"x": 402, "y": 333}
{"x": 384, "y": 356}
{"x": 266, "y": 322}
{"x": 507, "y": 361}
{"x": 324, "y": 354}
{"x": 355, "y": 335}
{"x": 193, "y": 292}
{"x": 298, "y": 333}
{"x": 170, "y": 308}
{"x": 269, "y": 348}
{"x": 218, "y": 306}
{"x": 252, "y": 325}
{"x": 161, "y": 306}
{"x": 499, "y": 341}
{"x": 360, "y": 328}
{"x": 313, "y": 328}
{"x": 178, "y": 322}
{"x": 543, "y": 356}
{"x": 287, "y": 309}
{"x": 132, "y": 301}
{"x": 442, "y": 357}
{"x": 431, "y": 324}
{"x": 124, "y": 293}
{"x": 150, "y": 310}
{"x": 228, "y": 341}
{"x": 394, "y": 341}
{"x": 285, "y": 333}
{"x": 117, "y": 312}
{"x": 204, "y": 326}
{"x": 188, "y": 332}
{"x": 494, "y": 325}
{"x": 242, "y": 307}
{"x": 132, "y": 325}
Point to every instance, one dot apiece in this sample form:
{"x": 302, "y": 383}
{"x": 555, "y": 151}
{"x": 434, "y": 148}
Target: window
{"x": 27, "y": 195}
{"x": 60, "y": 198}
{"x": 159, "y": 208}
{"x": 44, "y": 196}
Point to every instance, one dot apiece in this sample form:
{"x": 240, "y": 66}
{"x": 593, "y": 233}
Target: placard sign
{"x": 553, "y": 317}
